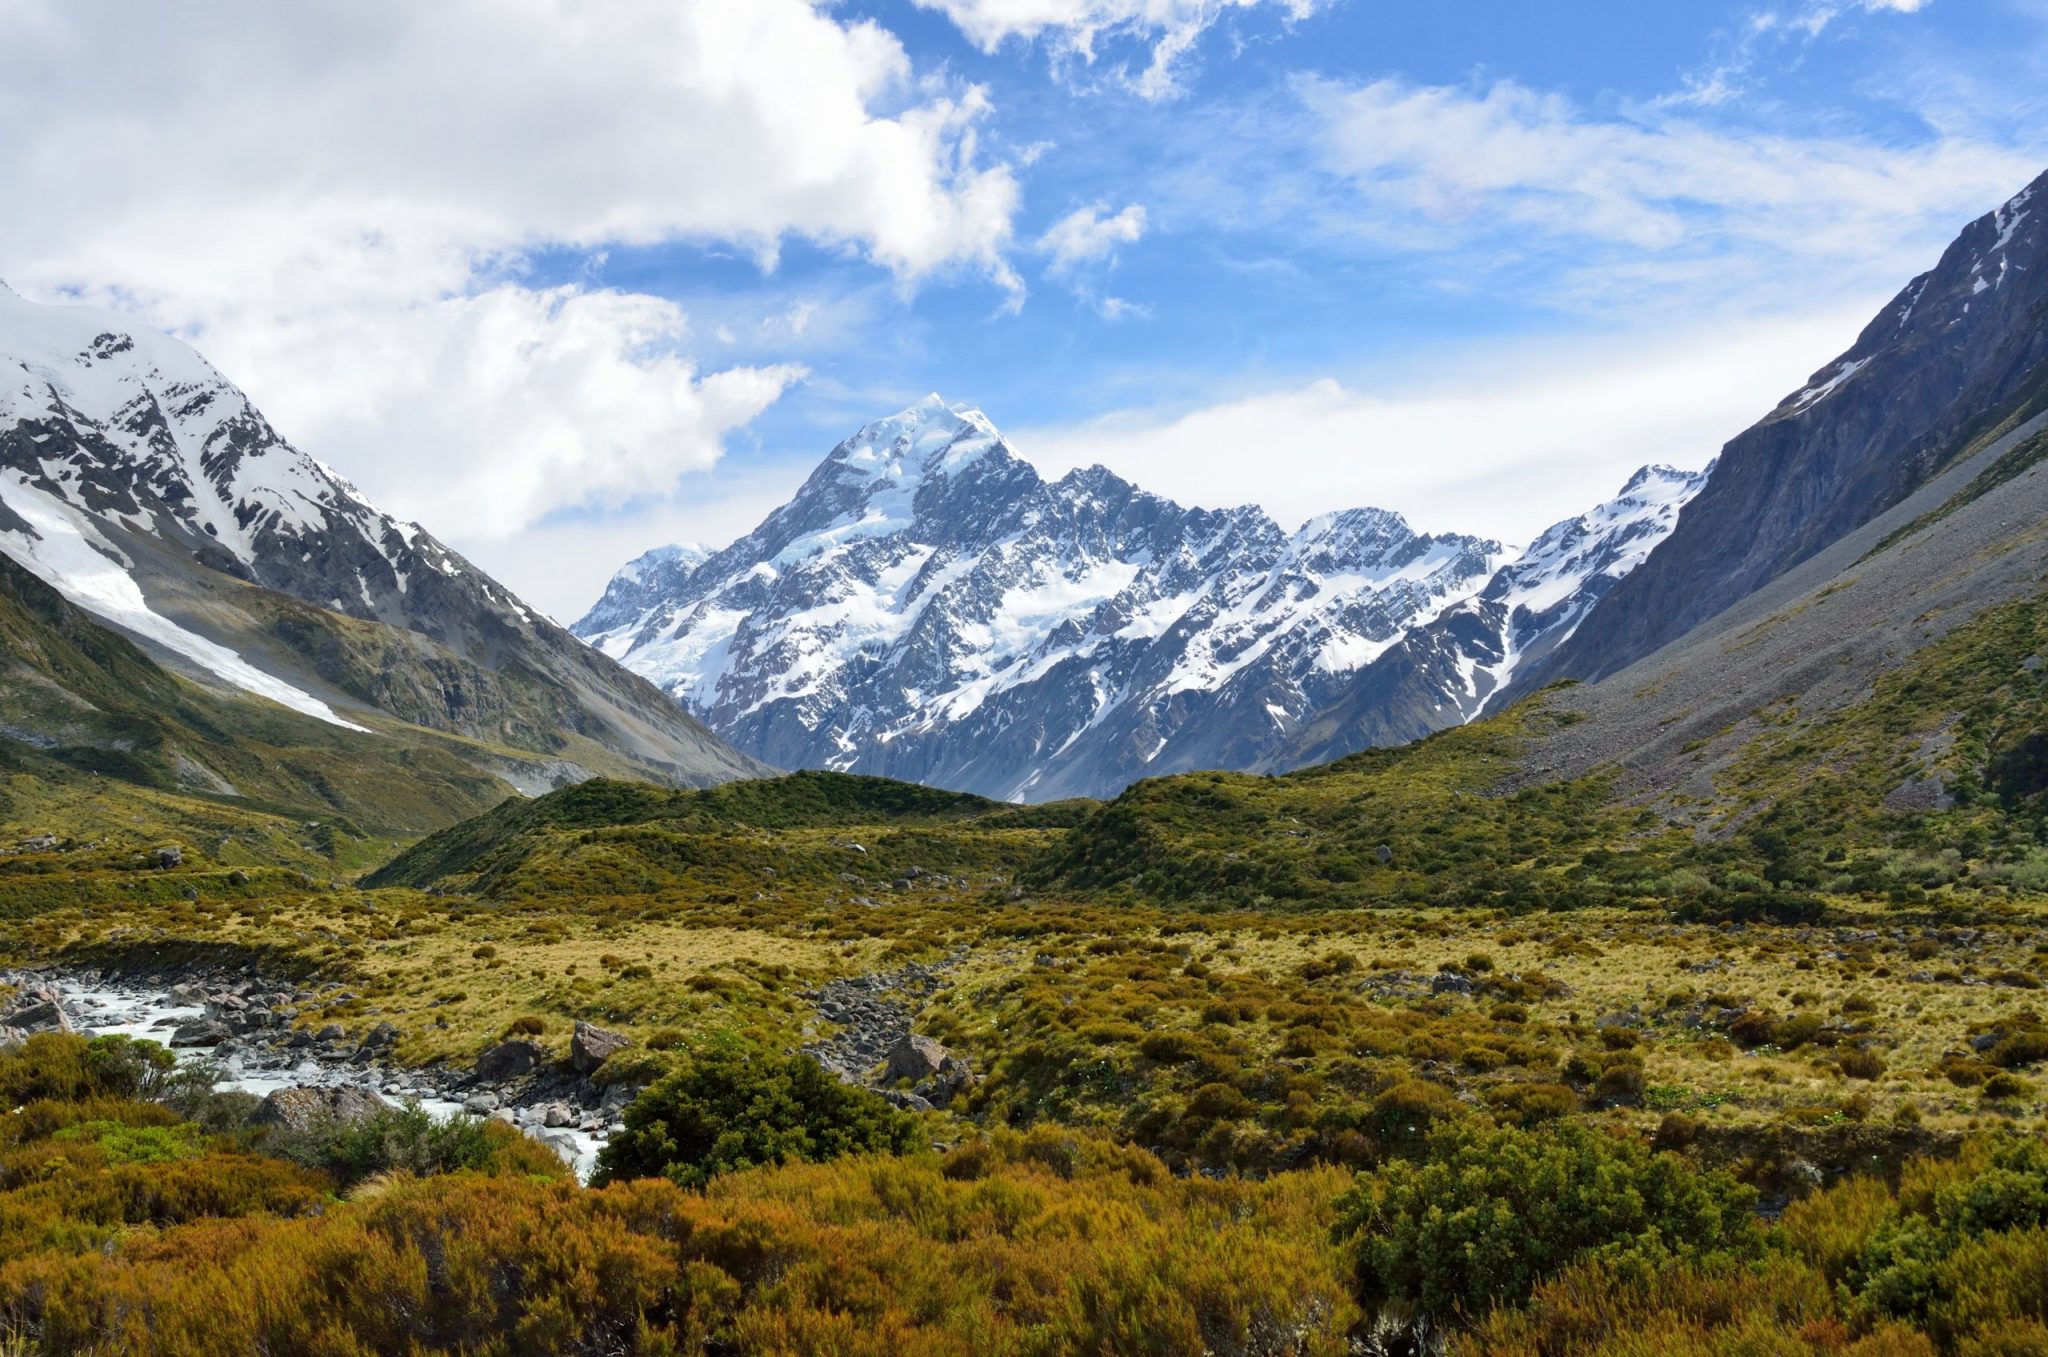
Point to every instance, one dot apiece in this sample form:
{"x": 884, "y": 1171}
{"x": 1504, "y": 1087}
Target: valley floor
{"x": 1166, "y": 1109}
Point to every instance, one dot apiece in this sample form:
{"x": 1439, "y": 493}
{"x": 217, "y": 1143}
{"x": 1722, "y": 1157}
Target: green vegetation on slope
{"x": 78, "y": 698}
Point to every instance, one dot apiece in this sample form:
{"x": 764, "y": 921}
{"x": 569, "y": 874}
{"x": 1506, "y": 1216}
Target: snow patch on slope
{"x": 64, "y": 550}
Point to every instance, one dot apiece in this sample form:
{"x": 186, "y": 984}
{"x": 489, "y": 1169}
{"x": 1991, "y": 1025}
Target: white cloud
{"x": 337, "y": 202}
{"x": 1635, "y": 203}
{"x": 1090, "y": 234}
{"x": 1076, "y": 29}
{"x": 1509, "y": 442}
{"x": 571, "y": 397}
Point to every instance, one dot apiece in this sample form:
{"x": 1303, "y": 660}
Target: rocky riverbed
{"x": 248, "y": 1028}
{"x": 874, "y": 1044}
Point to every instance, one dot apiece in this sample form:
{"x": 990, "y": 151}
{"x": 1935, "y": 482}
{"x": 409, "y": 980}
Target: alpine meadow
{"x": 1549, "y": 868}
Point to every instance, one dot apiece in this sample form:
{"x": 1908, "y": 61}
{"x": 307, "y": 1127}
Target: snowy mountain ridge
{"x": 928, "y": 606}
{"x": 143, "y": 485}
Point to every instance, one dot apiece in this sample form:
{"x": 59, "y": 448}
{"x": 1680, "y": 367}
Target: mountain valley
{"x": 1177, "y": 934}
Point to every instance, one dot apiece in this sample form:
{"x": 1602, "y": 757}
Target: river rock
{"x": 592, "y": 1046}
{"x": 304, "y": 1107}
{"x": 915, "y": 1058}
{"x": 509, "y": 1060}
{"x": 203, "y": 1032}
{"x": 37, "y": 1015}
{"x": 481, "y": 1102}
{"x": 381, "y": 1037}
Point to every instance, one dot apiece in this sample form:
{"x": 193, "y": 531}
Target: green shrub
{"x": 2004, "y": 1087}
{"x": 730, "y": 1109}
{"x": 1904, "y": 1269}
{"x": 63, "y": 1066}
{"x": 1492, "y": 1211}
{"x": 1407, "y": 1113}
{"x": 2026, "y": 1047}
{"x": 1530, "y": 1104}
{"x": 408, "y": 1139}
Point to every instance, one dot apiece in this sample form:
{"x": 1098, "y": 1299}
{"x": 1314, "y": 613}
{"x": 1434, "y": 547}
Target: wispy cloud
{"x": 1622, "y": 204}
{"x": 1503, "y": 441}
{"x": 1765, "y": 38}
{"x": 1090, "y": 234}
{"x": 1079, "y": 32}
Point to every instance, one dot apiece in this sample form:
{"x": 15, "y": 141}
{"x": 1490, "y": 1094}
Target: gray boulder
{"x": 915, "y": 1058}
{"x": 37, "y": 1015}
{"x": 592, "y": 1046}
{"x": 304, "y": 1107}
{"x": 382, "y": 1037}
{"x": 509, "y": 1060}
{"x": 203, "y": 1032}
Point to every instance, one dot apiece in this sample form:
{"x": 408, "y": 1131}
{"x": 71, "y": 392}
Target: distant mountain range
{"x": 929, "y": 607}
{"x": 926, "y": 606}
{"x": 148, "y": 491}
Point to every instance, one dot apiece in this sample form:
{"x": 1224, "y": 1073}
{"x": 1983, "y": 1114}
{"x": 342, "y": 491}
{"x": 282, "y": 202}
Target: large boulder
{"x": 204, "y": 1032}
{"x": 302, "y": 1108}
{"x": 915, "y": 1058}
{"x": 37, "y": 1015}
{"x": 592, "y": 1046}
{"x": 509, "y": 1060}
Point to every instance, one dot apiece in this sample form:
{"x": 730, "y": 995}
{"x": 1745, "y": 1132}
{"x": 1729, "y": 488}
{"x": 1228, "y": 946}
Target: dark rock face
{"x": 203, "y": 1032}
{"x": 302, "y": 1108}
{"x": 928, "y": 607}
{"x": 509, "y": 1060}
{"x": 1962, "y": 348}
{"x": 591, "y": 1046}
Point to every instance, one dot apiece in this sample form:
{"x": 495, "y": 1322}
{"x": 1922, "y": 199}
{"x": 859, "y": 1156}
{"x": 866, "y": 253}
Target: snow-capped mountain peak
{"x": 928, "y": 606}
{"x": 133, "y": 475}
{"x": 1451, "y": 667}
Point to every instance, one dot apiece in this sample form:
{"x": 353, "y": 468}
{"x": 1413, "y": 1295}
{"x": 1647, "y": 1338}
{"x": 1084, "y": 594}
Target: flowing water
{"x": 99, "y": 1007}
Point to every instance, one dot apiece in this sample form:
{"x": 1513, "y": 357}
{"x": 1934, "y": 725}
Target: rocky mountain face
{"x": 147, "y": 489}
{"x": 1450, "y": 669}
{"x": 1960, "y": 351}
{"x": 929, "y": 607}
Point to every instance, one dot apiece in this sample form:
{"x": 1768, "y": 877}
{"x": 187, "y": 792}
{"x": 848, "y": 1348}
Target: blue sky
{"x": 565, "y": 291}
